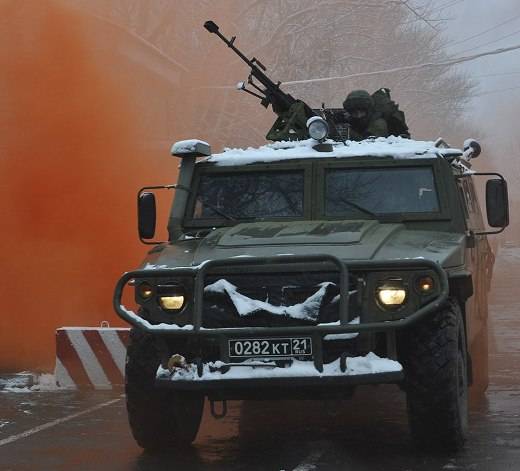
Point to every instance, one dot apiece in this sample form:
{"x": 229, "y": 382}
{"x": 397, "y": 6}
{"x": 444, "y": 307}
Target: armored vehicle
{"x": 307, "y": 267}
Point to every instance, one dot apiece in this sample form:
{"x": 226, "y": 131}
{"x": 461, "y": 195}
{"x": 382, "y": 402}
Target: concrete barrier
{"x": 90, "y": 357}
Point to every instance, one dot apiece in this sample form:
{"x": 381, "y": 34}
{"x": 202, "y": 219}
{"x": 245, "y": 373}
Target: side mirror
{"x": 497, "y": 205}
{"x": 146, "y": 215}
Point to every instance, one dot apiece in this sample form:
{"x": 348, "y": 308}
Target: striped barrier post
{"x": 91, "y": 357}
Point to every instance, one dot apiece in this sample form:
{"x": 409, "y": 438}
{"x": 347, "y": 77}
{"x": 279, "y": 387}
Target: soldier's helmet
{"x": 359, "y": 100}
{"x": 359, "y": 104}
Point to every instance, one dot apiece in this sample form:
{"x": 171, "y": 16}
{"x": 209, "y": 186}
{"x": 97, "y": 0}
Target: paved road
{"x": 88, "y": 431}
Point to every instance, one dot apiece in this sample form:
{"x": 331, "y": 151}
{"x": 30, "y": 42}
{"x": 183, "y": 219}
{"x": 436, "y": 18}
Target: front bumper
{"x": 294, "y": 375}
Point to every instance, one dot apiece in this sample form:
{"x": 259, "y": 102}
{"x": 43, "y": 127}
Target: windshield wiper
{"x": 359, "y": 208}
{"x": 216, "y": 210}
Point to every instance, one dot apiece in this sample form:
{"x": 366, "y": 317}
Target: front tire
{"x": 436, "y": 380}
{"x": 159, "y": 419}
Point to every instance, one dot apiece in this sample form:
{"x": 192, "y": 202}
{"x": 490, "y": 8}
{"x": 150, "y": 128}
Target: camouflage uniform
{"x": 371, "y": 124}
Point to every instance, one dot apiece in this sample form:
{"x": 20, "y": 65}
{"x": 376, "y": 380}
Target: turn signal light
{"x": 425, "y": 284}
{"x": 145, "y": 291}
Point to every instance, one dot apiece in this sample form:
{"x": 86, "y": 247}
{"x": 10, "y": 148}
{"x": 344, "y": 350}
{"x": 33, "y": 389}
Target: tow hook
{"x": 214, "y": 413}
{"x": 177, "y": 361}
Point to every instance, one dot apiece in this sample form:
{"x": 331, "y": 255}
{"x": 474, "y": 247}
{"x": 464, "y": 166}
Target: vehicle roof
{"x": 394, "y": 147}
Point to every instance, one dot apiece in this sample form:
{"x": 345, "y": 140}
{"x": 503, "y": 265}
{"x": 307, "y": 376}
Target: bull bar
{"x": 312, "y": 263}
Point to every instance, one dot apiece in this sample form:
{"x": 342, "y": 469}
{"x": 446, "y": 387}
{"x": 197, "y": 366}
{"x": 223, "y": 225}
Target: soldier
{"x": 362, "y": 117}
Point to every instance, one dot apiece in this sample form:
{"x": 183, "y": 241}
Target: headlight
{"x": 171, "y": 298}
{"x": 172, "y": 303}
{"x": 317, "y": 127}
{"x": 392, "y": 294}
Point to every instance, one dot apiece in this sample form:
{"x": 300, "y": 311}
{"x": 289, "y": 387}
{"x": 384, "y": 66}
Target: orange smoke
{"x": 71, "y": 161}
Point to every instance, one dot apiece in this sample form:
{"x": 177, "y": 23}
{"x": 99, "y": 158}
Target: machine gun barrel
{"x": 280, "y": 101}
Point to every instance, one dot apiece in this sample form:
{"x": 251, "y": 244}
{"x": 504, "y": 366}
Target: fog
{"x": 492, "y": 112}
{"x": 93, "y": 94}
{"x": 72, "y": 158}
{"x": 472, "y": 19}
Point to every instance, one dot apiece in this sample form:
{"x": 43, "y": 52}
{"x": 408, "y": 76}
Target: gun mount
{"x": 291, "y": 124}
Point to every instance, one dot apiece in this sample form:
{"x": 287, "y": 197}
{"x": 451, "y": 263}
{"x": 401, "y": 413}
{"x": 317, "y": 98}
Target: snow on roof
{"x": 186, "y": 146}
{"x": 396, "y": 147}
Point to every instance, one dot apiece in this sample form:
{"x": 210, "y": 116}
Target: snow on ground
{"x": 369, "y": 364}
{"x": 396, "y": 147}
{"x": 25, "y": 382}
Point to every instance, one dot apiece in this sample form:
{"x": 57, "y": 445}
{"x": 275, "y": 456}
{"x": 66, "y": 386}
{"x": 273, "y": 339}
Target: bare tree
{"x": 308, "y": 39}
{"x": 297, "y": 39}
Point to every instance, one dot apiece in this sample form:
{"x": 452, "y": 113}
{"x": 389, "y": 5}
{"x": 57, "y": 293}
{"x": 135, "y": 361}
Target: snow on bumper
{"x": 250, "y": 371}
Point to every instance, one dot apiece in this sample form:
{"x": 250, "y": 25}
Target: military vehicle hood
{"x": 352, "y": 240}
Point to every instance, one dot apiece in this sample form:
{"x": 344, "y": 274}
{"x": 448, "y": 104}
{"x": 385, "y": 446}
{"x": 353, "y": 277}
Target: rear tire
{"x": 159, "y": 419}
{"x": 436, "y": 380}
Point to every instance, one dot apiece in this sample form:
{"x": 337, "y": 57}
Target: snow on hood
{"x": 397, "y": 147}
{"x": 308, "y": 310}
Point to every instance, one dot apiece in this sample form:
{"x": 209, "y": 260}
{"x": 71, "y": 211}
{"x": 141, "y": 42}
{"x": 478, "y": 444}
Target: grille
{"x": 277, "y": 289}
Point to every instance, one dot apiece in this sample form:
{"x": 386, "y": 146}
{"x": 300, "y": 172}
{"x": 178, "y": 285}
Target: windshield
{"x": 248, "y": 195}
{"x": 351, "y": 192}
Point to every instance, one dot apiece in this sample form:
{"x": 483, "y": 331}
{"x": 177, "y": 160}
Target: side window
{"x": 471, "y": 204}
{"x": 463, "y": 199}
{"x": 477, "y": 214}
{"x": 469, "y": 195}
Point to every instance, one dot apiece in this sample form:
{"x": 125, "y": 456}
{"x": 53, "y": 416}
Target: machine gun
{"x": 291, "y": 124}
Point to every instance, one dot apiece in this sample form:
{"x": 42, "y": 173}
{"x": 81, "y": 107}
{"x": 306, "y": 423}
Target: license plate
{"x": 270, "y": 347}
